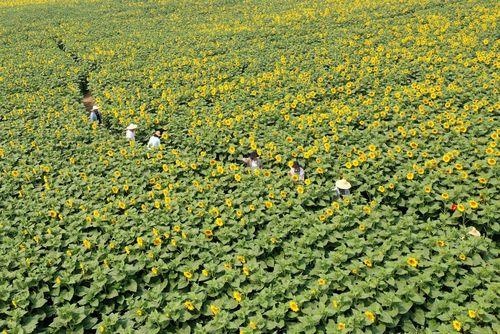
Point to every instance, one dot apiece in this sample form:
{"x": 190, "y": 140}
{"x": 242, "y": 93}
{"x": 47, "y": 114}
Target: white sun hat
{"x": 343, "y": 184}
{"x": 95, "y": 107}
{"x": 132, "y": 126}
{"x": 474, "y": 232}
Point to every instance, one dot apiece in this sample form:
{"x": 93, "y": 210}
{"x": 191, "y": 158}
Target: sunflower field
{"x": 98, "y": 234}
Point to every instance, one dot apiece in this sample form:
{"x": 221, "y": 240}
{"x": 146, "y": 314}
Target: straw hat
{"x": 132, "y": 126}
{"x": 157, "y": 133}
{"x": 474, "y": 232}
{"x": 343, "y": 184}
{"x": 95, "y": 107}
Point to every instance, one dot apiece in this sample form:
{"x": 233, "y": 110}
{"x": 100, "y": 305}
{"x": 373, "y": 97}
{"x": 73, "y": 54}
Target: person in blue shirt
{"x": 95, "y": 115}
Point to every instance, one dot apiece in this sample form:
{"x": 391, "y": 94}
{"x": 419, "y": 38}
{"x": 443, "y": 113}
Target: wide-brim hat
{"x": 157, "y": 133}
{"x": 343, "y": 184}
{"x": 474, "y": 232}
{"x": 95, "y": 107}
{"x": 132, "y": 126}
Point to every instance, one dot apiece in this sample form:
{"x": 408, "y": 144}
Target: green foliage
{"x": 399, "y": 98}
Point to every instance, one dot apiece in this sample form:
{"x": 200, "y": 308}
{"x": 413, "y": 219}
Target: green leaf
{"x": 39, "y": 302}
{"x": 131, "y": 286}
{"x": 385, "y": 318}
{"x": 419, "y": 317}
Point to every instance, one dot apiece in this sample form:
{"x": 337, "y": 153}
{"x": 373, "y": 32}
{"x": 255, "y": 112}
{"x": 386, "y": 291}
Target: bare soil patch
{"x": 88, "y": 101}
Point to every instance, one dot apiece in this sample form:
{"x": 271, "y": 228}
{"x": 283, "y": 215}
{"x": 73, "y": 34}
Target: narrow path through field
{"x": 83, "y": 80}
{"x": 88, "y": 101}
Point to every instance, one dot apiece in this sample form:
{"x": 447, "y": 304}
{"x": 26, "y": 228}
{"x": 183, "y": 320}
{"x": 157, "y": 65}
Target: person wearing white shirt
{"x": 253, "y": 161}
{"x": 154, "y": 141}
{"x": 297, "y": 169}
{"x": 130, "y": 133}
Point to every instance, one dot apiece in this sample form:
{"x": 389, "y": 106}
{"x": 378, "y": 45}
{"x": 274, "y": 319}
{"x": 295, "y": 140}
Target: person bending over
{"x": 154, "y": 141}
{"x": 297, "y": 170}
{"x": 253, "y": 161}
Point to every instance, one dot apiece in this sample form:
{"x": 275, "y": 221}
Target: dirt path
{"x": 88, "y": 101}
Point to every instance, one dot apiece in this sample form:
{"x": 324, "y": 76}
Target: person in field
{"x": 253, "y": 161}
{"x": 297, "y": 170}
{"x": 342, "y": 188}
{"x": 154, "y": 141}
{"x": 95, "y": 115}
{"x": 130, "y": 131}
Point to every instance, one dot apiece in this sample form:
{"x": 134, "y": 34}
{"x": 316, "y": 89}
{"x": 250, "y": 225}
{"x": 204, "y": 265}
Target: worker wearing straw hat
{"x": 130, "y": 133}
{"x": 154, "y": 141}
{"x": 342, "y": 187}
{"x": 474, "y": 232}
{"x": 95, "y": 115}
